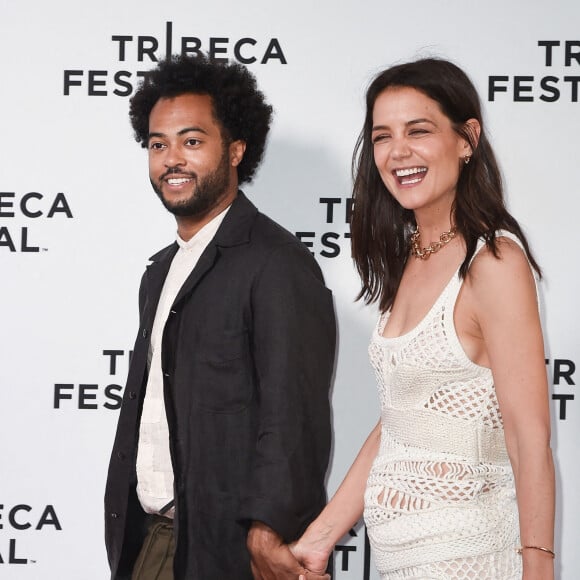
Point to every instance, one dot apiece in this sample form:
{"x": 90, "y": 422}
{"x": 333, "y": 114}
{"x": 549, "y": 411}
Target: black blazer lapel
{"x": 205, "y": 263}
{"x": 233, "y": 231}
{"x": 155, "y": 278}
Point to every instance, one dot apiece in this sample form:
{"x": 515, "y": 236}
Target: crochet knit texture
{"x": 440, "y": 499}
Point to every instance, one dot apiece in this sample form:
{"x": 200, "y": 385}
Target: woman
{"x": 457, "y": 477}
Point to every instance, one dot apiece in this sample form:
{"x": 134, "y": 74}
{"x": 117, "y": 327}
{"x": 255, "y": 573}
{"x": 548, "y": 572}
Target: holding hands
{"x": 311, "y": 553}
{"x": 272, "y": 559}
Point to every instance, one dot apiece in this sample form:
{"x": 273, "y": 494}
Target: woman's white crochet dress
{"x": 440, "y": 498}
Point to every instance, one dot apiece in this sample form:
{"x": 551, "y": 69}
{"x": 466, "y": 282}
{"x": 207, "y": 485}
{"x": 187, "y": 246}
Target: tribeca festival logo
{"x": 331, "y": 244}
{"x": 93, "y": 396}
{"x": 563, "y": 56}
{"x": 353, "y": 556}
{"x": 561, "y": 376}
{"x": 149, "y": 49}
{"x": 22, "y": 518}
{"x": 28, "y": 208}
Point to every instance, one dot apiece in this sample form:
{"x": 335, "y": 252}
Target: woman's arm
{"x": 346, "y": 507}
{"x": 506, "y": 311}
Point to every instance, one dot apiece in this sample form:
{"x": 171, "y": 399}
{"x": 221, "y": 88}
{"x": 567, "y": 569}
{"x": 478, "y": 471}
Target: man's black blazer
{"x": 248, "y": 357}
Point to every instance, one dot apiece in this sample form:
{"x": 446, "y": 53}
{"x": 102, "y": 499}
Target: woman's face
{"x": 416, "y": 150}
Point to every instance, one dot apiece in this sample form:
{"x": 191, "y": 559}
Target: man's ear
{"x": 237, "y": 150}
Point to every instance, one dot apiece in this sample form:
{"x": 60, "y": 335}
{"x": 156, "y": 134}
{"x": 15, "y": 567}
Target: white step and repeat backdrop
{"x": 78, "y": 219}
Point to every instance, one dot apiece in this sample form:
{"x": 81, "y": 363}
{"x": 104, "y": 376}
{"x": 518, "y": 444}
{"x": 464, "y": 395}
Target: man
{"x": 224, "y": 433}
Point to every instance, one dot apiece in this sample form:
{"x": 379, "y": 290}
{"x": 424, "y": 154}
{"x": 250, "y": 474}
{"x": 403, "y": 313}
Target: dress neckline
{"x": 384, "y": 317}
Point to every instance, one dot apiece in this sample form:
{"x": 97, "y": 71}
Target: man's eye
{"x": 193, "y": 142}
{"x": 155, "y": 145}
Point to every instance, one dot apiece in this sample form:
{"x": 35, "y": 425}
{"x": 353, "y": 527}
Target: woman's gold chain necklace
{"x": 433, "y": 247}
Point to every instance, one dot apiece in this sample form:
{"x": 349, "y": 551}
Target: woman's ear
{"x": 473, "y": 129}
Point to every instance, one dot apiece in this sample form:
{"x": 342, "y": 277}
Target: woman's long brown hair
{"x": 381, "y": 228}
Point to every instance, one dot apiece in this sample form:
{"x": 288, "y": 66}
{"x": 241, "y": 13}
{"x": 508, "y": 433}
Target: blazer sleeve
{"x": 293, "y": 342}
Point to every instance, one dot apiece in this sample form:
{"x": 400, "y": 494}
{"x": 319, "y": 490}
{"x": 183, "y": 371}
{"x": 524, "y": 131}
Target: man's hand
{"x": 271, "y": 559}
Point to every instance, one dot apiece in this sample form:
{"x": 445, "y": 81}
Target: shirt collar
{"x": 204, "y": 235}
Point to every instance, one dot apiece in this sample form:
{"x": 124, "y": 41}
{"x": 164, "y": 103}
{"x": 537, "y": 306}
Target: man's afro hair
{"x": 239, "y": 106}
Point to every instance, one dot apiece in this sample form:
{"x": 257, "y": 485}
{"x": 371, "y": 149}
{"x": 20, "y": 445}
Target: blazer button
{"x": 132, "y": 395}
{"x": 121, "y": 455}
{"x": 114, "y": 515}
{"x": 144, "y": 333}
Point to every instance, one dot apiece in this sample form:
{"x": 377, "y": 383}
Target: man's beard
{"x": 207, "y": 191}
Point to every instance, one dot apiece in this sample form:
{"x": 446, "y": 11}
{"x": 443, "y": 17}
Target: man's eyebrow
{"x": 180, "y": 132}
{"x": 192, "y": 129}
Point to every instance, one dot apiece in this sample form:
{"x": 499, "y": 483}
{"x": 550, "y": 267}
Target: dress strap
{"x": 498, "y": 234}
{"x": 455, "y": 285}
{"x": 513, "y": 238}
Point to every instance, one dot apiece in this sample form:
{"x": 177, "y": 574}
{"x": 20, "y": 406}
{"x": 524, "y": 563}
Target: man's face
{"x": 191, "y": 168}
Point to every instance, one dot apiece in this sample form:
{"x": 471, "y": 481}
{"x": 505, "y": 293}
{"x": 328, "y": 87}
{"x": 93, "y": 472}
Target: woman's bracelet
{"x": 547, "y": 550}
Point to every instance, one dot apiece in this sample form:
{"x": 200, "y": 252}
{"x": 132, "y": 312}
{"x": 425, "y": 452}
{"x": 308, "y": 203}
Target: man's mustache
{"x": 173, "y": 170}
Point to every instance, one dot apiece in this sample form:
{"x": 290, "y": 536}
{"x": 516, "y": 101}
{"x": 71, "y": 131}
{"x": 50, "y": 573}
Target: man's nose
{"x": 174, "y": 157}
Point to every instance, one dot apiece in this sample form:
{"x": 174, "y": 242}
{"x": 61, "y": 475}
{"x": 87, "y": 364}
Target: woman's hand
{"x": 310, "y": 551}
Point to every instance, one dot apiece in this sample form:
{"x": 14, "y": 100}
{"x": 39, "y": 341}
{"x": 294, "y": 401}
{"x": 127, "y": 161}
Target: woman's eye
{"x": 380, "y": 138}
